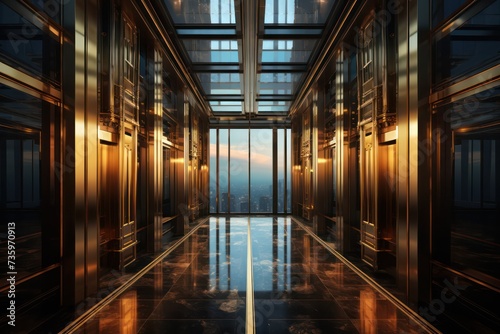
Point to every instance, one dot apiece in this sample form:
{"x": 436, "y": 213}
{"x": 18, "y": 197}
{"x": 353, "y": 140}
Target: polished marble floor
{"x": 290, "y": 284}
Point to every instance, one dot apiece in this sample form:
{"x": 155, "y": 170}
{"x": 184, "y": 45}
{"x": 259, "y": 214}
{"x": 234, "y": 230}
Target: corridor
{"x": 212, "y": 281}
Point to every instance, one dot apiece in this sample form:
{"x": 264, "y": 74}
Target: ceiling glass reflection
{"x": 278, "y": 83}
{"x": 290, "y": 51}
{"x": 227, "y": 106}
{"x": 201, "y": 12}
{"x": 274, "y": 106}
{"x": 206, "y": 51}
{"x": 297, "y": 11}
{"x": 220, "y": 83}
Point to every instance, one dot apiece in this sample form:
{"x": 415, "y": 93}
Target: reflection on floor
{"x": 298, "y": 287}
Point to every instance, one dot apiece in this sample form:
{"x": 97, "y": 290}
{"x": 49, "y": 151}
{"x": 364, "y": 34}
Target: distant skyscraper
{"x": 264, "y": 204}
{"x": 224, "y": 205}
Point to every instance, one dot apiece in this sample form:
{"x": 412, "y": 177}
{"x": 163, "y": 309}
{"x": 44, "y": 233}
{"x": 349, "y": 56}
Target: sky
{"x": 261, "y": 153}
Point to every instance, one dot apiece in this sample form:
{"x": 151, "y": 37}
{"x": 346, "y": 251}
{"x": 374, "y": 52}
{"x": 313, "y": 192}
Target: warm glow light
{"x": 128, "y": 313}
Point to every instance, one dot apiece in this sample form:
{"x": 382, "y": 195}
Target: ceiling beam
{"x": 249, "y": 20}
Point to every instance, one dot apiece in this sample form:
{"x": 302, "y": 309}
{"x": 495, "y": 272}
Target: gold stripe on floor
{"x": 250, "y": 315}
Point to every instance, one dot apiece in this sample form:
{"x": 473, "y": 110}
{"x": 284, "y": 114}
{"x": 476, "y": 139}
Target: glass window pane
{"x": 238, "y": 171}
{"x": 289, "y": 170}
{"x": 281, "y": 170}
{"x": 213, "y": 170}
{"x": 223, "y": 171}
{"x": 261, "y": 164}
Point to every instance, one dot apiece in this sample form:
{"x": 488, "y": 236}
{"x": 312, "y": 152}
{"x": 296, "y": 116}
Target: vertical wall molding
{"x": 79, "y": 145}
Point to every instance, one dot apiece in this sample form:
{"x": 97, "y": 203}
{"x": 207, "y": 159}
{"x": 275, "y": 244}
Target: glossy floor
{"x": 292, "y": 284}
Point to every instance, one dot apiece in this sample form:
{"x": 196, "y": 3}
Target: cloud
{"x": 242, "y": 154}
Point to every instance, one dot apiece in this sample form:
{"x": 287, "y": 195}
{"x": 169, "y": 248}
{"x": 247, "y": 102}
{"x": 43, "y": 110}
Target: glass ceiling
{"x": 249, "y": 56}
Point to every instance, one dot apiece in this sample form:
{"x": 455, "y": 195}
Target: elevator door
{"x": 368, "y": 200}
{"x": 108, "y": 201}
{"x": 128, "y": 229}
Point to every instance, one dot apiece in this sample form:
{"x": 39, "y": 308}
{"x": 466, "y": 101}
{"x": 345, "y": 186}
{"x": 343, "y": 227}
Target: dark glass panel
{"x": 22, "y": 189}
{"x": 474, "y": 188}
{"x": 442, "y": 9}
{"x": 50, "y": 7}
{"x": 27, "y": 47}
{"x": 470, "y": 48}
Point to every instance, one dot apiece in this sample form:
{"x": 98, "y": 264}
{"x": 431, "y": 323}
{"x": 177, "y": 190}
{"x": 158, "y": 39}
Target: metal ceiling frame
{"x": 249, "y": 30}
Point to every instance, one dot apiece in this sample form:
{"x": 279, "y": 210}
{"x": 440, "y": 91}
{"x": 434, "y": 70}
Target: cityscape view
{"x": 244, "y": 161}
